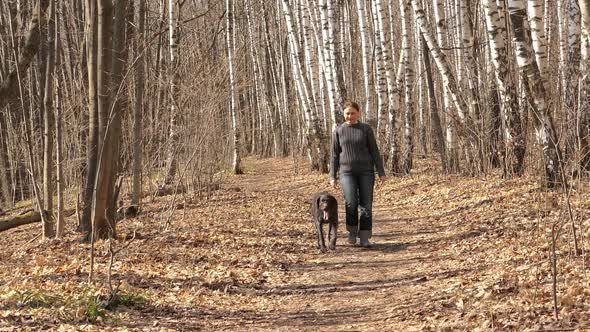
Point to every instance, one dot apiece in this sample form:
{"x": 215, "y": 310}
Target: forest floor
{"x": 450, "y": 253}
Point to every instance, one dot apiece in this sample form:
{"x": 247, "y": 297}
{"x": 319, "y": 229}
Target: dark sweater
{"x": 354, "y": 150}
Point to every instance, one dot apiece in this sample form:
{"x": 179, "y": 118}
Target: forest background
{"x": 104, "y": 104}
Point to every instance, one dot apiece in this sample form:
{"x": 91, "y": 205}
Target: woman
{"x": 356, "y": 155}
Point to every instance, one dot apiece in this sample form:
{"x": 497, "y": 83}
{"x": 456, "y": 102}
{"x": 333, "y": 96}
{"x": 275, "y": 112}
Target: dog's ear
{"x": 317, "y": 201}
{"x": 334, "y": 202}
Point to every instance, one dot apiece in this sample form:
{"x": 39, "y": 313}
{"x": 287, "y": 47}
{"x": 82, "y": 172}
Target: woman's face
{"x": 351, "y": 115}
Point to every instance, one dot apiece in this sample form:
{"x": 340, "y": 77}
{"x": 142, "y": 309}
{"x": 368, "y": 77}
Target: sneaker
{"x": 351, "y": 238}
{"x": 365, "y": 243}
{"x": 364, "y": 239}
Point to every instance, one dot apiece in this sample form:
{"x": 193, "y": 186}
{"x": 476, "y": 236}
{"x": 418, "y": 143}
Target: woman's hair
{"x": 352, "y": 104}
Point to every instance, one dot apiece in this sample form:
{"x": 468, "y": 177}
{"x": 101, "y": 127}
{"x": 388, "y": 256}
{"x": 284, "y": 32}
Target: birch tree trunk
{"x": 236, "y": 162}
{"x": 317, "y": 146}
{"x": 472, "y": 74}
{"x": 568, "y": 16}
{"x": 272, "y": 87}
{"x": 585, "y": 73}
{"x": 407, "y": 64}
{"x": 545, "y": 130}
{"x": 439, "y": 137}
{"x": 380, "y": 74}
{"x": 261, "y": 94}
{"x": 536, "y": 22}
{"x": 365, "y": 54}
{"x": 313, "y": 30}
{"x": 514, "y": 141}
{"x": 440, "y": 60}
{"x": 393, "y": 91}
{"x": 173, "y": 81}
{"x": 329, "y": 59}
{"x": 441, "y": 41}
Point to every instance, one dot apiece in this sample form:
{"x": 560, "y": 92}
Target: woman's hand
{"x": 333, "y": 183}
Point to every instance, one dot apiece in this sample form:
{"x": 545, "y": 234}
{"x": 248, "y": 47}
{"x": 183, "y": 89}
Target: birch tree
{"x": 536, "y": 22}
{"x": 512, "y": 125}
{"x": 380, "y": 73}
{"x": 393, "y": 91}
{"x": 439, "y": 58}
{"x": 236, "y": 163}
{"x": 329, "y": 58}
{"x": 472, "y": 74}
{"x": 317, "y": 141}
{"x": 365, "y": 54}
{"x": 585, "y": 73}
{"x": 545, "y": 130}
{"x": 406, "y": 63}
{"x": 174, "y": 9}
{"x": 439, "y": 138}
{"x": 441, "y": 41}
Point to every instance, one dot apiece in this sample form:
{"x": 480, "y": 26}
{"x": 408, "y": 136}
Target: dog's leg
{"x": 332, "y": 235}
{"x": 320, "y": 231}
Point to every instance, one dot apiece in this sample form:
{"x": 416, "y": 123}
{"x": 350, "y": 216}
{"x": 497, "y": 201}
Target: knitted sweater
{"x": 354, "y": 150}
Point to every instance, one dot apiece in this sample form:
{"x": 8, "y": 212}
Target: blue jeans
{"x": 357, "y": 189}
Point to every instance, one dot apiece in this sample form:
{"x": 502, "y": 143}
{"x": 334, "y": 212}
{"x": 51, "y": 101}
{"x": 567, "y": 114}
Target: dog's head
{"x": 327, "y": 204}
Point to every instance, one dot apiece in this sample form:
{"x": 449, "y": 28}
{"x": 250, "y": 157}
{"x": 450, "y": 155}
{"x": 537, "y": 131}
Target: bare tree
{"x": 138, "y": 108}
{"x": 112, "y": 50}
{"x": 9, "y": 88}
{"x": 91, "y": 39}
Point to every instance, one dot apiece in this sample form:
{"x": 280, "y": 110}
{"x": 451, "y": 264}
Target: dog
{"x": 324, "y": 210}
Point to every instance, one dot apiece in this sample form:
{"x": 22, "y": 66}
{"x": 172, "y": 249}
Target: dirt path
{"x": 390, "y": 286}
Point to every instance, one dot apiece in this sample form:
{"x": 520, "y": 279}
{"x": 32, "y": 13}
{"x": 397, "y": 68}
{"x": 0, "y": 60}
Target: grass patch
{"x": 132, "y": 299}
{"x": 88, "y": 306}
{"x": 30, "y": 299}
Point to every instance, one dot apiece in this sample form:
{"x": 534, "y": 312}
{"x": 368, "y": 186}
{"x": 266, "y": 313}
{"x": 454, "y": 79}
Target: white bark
{"x": 365, "y": 54}
{"x": 439, "y": 58}
{"x": 173, "y": 81}
{"x": 408, "y": 68}
{"x": 535, "y": 15}
{"x": 512, "y": 125}
{"x": 316, "y": 146}
{"x": 393, "y": 91}
{"x": 542, "y": 119}
{"x": 441, "y": 42}
{"x": 328, "y": 62}
{"x": 236, "y": 162}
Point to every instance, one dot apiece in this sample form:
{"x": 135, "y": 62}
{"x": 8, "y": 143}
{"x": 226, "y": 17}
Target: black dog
{"x": 324, "y": 210}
